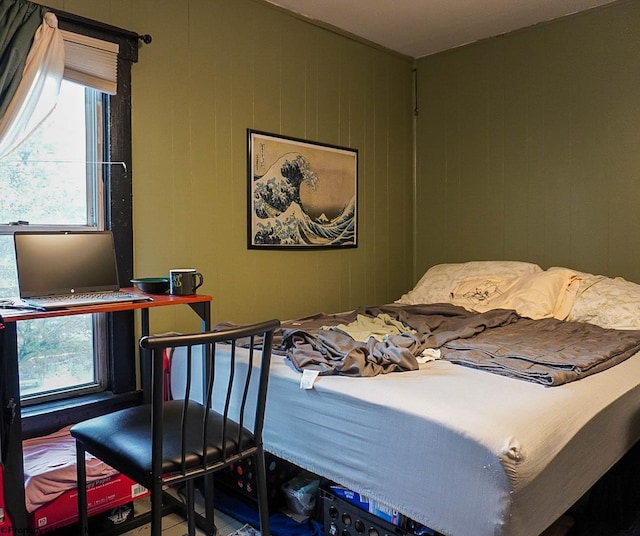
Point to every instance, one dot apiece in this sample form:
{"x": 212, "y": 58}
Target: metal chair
{"x": 173, "y": 442}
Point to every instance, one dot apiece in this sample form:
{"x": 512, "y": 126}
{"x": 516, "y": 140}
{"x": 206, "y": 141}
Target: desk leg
{"x": 11, "y": 432}
{"x": 203, "y": 310}
{"x": 145, "y": 359}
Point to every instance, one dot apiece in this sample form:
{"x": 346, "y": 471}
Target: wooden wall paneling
{"x": 222, "y": 254}
{"x": 401, "y": 196}
{"x": 353, "y": 134}
{"x": 569, "y": 123}
{"x": 381, "y": 178}
{"x": 516, "y": 174}
{"x": 623, "y": 140}
{"x": 214, "y": 69}
{"x": 267, "y": 115}
{"x": 430, "y": 241}
{"x": 368, "y": 187}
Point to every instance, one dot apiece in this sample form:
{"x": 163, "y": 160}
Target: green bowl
{"x": 152, "y": 285}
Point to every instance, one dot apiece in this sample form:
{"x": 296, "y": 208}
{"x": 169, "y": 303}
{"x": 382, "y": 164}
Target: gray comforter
{"x": 549, "y": 351}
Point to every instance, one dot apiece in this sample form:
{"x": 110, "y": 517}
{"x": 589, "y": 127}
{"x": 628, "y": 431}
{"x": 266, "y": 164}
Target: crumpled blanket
{"x": 309, "y": 345}
{"x": 546, "y": 351}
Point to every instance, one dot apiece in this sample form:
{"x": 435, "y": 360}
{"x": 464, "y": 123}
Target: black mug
{"x": 184, "y": 281}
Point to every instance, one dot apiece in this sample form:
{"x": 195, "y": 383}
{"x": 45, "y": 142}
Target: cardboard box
{"x": 102, "y": 495}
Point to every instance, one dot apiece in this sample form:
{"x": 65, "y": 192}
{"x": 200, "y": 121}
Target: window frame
{"x": 122, "y": 386}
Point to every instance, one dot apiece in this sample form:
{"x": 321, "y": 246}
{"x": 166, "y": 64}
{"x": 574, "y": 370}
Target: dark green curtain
{"x": 19, "y": 21}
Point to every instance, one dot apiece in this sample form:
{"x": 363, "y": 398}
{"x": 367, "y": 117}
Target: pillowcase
{"x": 607, "y": 302}
{"x": 538, "y": 295}
{"x": 438, "y": 282}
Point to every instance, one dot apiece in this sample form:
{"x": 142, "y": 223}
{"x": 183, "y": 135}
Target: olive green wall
{"x": 218, "y": 67}
{"x": 528, "y": 146}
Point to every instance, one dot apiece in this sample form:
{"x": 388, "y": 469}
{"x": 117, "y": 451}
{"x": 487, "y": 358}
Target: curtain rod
{"x": 100, "y": 26}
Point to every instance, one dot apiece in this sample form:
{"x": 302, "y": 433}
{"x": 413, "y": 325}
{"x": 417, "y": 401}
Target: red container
{"x": 102, "y": 495}
{"x": 5, "y": 522}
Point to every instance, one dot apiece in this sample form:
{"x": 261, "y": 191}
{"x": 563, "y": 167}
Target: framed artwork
{"x": 302, "y": 194}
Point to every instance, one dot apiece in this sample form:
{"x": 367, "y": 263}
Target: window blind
{"x": 90, "y": 61}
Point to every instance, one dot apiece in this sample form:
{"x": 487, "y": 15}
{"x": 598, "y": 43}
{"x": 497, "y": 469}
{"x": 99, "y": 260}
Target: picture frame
{"x": 301, "y": 194}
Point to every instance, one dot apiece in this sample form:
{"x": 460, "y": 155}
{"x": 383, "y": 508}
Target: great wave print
{"x": 302, "y": 195}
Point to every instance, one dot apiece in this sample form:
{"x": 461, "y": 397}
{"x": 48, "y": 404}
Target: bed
{"x": 458, "y": 449}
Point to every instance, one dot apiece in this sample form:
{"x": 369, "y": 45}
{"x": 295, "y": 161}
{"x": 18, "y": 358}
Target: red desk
{"x": 11, "y": 431}
{"x": 199, "y": 302}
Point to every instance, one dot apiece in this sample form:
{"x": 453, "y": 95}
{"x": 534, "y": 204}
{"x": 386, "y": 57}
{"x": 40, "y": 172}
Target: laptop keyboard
{"x": 86, "y": 298}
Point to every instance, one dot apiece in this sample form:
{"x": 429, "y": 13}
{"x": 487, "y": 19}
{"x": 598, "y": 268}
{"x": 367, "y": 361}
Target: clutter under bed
{"x": 486, "y": 401}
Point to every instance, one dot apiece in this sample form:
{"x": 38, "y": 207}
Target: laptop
{"x": 62, "y": 269}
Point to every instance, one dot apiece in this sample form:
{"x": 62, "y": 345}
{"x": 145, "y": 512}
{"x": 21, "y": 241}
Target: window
{"x": 74, "y": 172}
{"x": 53, "y": 181}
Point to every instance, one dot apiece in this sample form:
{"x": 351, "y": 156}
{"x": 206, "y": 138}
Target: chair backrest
{"x": 220, "y": 420}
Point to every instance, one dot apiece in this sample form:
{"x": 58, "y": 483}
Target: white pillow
{"x": 607, "y": 302}
{"x": 539, "y": 295}
{"x": 438, "y": 282}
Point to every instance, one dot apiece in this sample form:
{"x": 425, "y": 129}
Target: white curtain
{"x": 37, "y": 93}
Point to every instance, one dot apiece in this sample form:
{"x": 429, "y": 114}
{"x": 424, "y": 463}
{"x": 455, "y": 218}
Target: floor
{"x": 175, "y": 525}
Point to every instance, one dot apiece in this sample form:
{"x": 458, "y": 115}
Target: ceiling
{"x": 418, "y": 28}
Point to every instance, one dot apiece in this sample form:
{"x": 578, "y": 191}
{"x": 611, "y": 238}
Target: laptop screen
{"x": 65, "y": 262}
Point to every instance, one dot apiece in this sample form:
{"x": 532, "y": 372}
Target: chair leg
{"x": 263, "y": 496}
{"x": 209, "y": 504}
{"x": 191, "y": 507}
{"x": 81, "y": 474}
{"x": 156, "y": 507}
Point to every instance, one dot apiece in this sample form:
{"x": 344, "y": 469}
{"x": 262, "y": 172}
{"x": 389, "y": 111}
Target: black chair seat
{"x": 123, "y": 439}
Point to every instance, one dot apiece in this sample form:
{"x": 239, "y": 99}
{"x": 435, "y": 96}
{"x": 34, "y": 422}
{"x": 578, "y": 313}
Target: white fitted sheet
{"x": 460, "y": 450}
